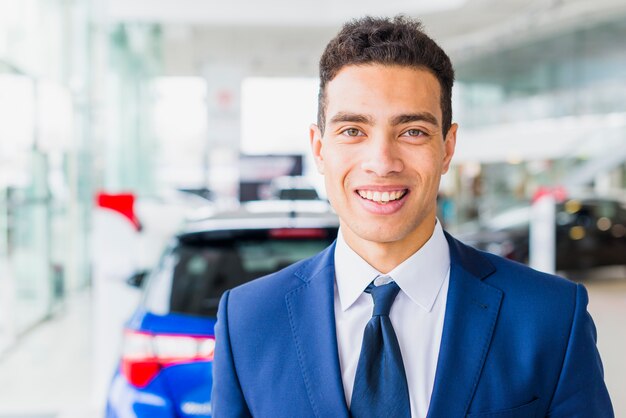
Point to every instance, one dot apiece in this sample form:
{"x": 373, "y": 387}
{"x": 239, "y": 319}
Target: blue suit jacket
{"x": 516, "y": 344}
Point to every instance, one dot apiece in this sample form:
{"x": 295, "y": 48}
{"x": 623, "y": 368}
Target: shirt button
{"x": 382, "y": 280}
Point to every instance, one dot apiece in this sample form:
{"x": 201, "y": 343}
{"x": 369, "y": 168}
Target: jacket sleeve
{"x": 581, "y": 391}
{"x": 227, "y": 397}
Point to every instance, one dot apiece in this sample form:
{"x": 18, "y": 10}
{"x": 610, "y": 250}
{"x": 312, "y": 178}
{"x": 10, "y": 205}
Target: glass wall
{"x": 44, "y": 160}
{"x": 578, "y": 72}
{"x": 129, "y": 141}
{"x": 547, "y": 112}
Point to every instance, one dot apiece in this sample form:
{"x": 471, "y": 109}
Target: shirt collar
{"x": 420, "y": 276}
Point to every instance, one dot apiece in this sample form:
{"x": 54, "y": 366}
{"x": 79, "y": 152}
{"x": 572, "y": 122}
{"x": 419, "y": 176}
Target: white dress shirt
{"x": 417, "y": 313}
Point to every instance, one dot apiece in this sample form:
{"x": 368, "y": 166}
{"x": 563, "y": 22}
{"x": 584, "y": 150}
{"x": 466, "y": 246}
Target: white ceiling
{"x": 294, "y": 32}
{"x": 291, "y": 13}
{"x": 481, "y": 26}
{"x": 457, "y": 22}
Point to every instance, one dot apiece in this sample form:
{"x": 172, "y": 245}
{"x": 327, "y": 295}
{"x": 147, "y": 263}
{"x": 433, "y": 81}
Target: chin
{"x": 384, "y": 235}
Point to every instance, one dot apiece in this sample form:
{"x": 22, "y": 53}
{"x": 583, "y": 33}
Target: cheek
{"x": 335, "y": 162}
{"x": 427, "y": 171}
{"x": 432, "y": 162}
{"x": 337, "y": 168}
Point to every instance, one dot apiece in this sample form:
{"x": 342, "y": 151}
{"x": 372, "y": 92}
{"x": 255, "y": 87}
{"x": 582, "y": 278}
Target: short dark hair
{"x": 389, "y": 41}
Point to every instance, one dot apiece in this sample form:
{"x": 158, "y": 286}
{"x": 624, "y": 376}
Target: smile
{"x": 382, "y": 197}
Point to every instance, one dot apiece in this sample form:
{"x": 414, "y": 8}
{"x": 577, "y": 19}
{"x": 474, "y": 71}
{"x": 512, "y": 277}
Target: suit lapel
{"x": 312, "y": 319}
{"x": 471, "y": 312}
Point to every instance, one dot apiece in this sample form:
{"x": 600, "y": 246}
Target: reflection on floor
{"x": 607, "y": 305}
{"x": 49, "y": 374}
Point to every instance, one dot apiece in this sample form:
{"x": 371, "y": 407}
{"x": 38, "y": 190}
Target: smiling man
{"x": 382, "y": 152}
{"x": 397, "y": 318}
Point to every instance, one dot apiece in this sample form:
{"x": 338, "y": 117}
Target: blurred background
{"x": 122, "y": 119}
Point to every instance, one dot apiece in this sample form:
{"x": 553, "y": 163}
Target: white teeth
{"x": 381, "y": 197}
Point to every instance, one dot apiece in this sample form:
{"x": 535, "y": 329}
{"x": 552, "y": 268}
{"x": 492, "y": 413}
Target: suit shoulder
{"x": 250, "y": 305}
{"x": 514, "y": 274}
{"x": 274, "y": 286}
{"x": 543, "y": 299}
{"x": 286, "y": 279}
{"x": 270, "y": 283}
{"x": 505, "y": 273}
{"x": 523, "y": 287}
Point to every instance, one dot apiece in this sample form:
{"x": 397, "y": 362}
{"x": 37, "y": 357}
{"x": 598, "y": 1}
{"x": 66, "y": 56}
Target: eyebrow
{"x": 351, "y": 117}
{"x": 396, "y": 120}
{"x": 415, "y": 117}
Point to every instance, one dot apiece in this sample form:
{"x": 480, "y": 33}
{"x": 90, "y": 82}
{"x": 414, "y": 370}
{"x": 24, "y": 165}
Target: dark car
{"x": 590, "y": 232}
{"x": 292, "y": 188}
{"x": 166, "y": 364}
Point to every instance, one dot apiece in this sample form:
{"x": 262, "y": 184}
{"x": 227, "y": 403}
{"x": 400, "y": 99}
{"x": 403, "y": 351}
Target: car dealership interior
{"x": 122, "y": 121}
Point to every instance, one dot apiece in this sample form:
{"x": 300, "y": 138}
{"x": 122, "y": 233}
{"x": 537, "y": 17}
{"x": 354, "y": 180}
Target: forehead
{"x": 365, "y": 88}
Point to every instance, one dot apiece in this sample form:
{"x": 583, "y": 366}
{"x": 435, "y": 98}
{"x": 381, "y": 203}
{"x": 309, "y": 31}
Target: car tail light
{"x": 145, "y": 354}
{"x": 287, "y": 233}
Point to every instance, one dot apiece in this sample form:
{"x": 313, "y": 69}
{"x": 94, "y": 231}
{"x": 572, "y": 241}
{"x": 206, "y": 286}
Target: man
{"x": 397, "y": 318}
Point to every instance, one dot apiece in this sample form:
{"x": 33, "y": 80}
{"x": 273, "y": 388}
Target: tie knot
{"x": 383, "y": 296}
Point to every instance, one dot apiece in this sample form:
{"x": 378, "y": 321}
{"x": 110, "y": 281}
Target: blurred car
{"x": 590, "y": 232}
{"x": 165, "y": 370}
{"x": 292, "y": 188}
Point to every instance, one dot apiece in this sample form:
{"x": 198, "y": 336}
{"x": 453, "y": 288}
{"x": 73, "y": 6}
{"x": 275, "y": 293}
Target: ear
{"x": 449, "y": 145}
{"x": 316, "y": 147}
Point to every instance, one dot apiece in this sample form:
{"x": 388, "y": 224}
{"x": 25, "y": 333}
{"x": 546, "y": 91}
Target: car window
{"x": 298, "y": 194}
{"x": 604, "y": 209}
{"x": 193, "y": 275}
{"x": 585, "y": 213}
{"x": 621, "y": 215}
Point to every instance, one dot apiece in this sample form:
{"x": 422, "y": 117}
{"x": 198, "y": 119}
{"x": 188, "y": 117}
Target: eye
{"x": 414, "y": 132}
{"x": 351, "y": 132}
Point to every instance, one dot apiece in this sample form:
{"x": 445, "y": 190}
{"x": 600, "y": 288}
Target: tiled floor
{"x": 49, "y": 375}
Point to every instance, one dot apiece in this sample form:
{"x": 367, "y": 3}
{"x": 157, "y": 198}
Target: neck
{"x": 385, "y": 256}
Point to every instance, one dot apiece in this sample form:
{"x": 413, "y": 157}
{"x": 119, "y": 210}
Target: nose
{"x": 382, "y": 157}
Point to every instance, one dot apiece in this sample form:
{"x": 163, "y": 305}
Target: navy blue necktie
{"x": 380, "y": 388}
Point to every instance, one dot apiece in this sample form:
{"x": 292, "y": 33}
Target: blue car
{"x": 165, "y": 370}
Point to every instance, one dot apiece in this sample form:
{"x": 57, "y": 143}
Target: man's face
{"x": 383, "y": 152}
